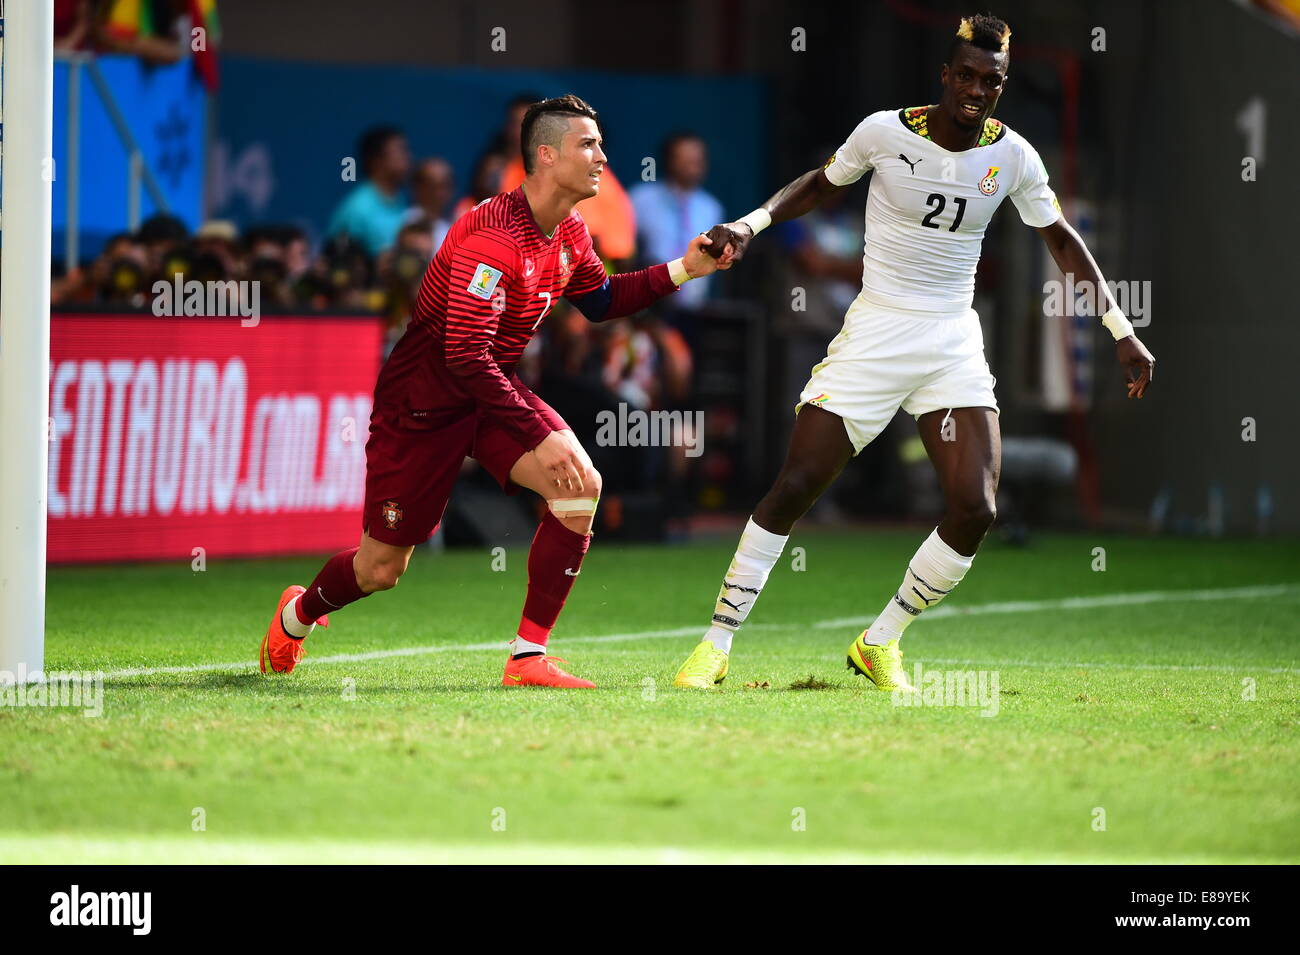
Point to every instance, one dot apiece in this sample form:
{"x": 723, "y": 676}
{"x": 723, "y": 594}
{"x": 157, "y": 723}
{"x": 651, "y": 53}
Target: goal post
{"x": 26, "y": 139}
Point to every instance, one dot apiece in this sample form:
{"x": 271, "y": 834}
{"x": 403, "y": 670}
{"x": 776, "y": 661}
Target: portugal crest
{"x": 392, "y": 514}
{"x": 566, "y": 260}
{"x": 989, "y": 184}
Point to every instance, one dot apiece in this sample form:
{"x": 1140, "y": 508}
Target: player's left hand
{"x": 1141, "y": 364}
{"x": 698, "y": 262}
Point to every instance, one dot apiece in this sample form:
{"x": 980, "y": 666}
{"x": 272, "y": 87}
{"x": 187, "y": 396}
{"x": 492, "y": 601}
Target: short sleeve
{"x": 1033, "y": 197}
{"x": 855, "y": 158}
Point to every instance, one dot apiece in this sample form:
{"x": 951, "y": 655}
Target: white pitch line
{"x": 1015, "y": 606}
{"x": 1086, "y": 603}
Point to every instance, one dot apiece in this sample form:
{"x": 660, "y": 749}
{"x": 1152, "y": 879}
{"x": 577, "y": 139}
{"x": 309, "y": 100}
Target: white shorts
{"x": 885, "y": 359}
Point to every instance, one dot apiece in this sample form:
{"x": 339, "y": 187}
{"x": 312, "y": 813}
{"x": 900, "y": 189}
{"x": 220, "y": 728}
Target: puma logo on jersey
{"x": 910, "y": 165}
{"x": 735, "y": 607}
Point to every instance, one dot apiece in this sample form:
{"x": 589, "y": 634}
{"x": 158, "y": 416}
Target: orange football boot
{"x": 280, "y": 650}
{"x": 542, "y": 671}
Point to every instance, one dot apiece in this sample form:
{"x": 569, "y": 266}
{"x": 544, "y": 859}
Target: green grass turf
{"x": 1134, "y": 709}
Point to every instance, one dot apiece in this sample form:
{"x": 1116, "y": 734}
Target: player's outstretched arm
{"x": 626, "y": 294}
{"x": 1073, "y": 258}
{"x": 790, "y": 202}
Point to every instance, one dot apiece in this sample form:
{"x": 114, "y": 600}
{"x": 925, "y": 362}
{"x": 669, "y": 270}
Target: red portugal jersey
{"x": 492, "y": 282}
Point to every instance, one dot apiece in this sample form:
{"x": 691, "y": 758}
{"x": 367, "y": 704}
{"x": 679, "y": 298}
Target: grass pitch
{"x": 1145, "y": 713}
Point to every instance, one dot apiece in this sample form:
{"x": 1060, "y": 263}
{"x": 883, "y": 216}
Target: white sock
{"x": 720, "y": 637}
{"x": 934, "y": 571}
{"x": 758, "y": 552}
{"x": 289, "y": 617}
{"x": 519, "y": 645}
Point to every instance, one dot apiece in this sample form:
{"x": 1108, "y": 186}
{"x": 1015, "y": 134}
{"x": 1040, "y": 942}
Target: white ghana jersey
{"x": 927, "y": 208}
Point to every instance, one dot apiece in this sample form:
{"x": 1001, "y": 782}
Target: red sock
{"x": 334, "y": 587}
{"x": 553, "y": 564}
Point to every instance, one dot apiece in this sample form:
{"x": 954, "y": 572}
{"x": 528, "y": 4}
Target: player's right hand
{"x": 1141, "y": 364}
{"x": 733, "y": 235}
{"x": 564, "y": 460}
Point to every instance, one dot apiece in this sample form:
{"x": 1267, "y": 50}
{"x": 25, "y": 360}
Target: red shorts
{"x": 414, "y": 455}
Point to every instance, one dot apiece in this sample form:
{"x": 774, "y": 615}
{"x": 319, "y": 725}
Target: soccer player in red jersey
{"x": 449, "y": 390}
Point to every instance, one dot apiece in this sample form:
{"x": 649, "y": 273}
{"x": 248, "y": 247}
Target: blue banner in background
{"x": 165, "y": 108}
{"x": 284, "y": 127}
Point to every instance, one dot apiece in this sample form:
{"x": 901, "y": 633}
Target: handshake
{"x": 718, "y": 249}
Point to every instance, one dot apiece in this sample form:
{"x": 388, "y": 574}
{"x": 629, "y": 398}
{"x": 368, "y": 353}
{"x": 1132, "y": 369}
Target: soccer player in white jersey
{"x": 910, "y": 339}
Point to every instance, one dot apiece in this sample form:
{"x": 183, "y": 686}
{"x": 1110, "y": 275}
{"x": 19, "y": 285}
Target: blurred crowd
{"x": 157, "y": 31}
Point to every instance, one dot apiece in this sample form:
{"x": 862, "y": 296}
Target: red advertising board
{"x": 172, "y": 434}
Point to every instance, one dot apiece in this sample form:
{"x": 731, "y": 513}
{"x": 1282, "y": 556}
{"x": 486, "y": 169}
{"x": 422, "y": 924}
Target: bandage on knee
{"x": 563, "y": 507}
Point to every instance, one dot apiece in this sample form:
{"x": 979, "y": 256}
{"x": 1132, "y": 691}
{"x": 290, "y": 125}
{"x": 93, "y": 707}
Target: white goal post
{"x": 26, "y": 138}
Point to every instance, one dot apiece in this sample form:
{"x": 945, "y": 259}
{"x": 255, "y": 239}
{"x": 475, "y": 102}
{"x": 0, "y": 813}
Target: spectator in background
{"x": 485, "y": 183}
{"x": 119, "y": 272}
{"x": 162, "y": 236}
{"x": 278, "y": 256}
{"x": 220, "y": 239}
{"x": 646, "y": 363}
{"x": 74, "y": 24}
{"x": 506, "y": 141}
{"x": 339, "y": 277}
{"x": 159, "y": 32}
{"x": 117, "y": 276}
{"x": 149, "y": 29}
{"x": 373, "y": 211}
{"x": 432, "y": 188}
{"x": 297, "y": 251}
{"x": 676, "y": 208}
{"x": 265, "y": 263}
{"x": 401, "y": 270}
{"x": 824, "y": 257}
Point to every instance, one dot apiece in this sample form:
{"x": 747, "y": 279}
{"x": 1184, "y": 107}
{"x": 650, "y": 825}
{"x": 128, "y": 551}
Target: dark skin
{"x": 968, "y": 465}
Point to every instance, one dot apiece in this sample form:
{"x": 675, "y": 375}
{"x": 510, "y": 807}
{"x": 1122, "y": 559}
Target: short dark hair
{"x": 537, "y": 129}
{"x": 162, "y": 227}
{"x": 983, "y": 30}
{"x": 372, "y": 142}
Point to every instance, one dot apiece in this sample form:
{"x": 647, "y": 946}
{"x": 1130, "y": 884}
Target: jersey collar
{"x": 914, "y": 118}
